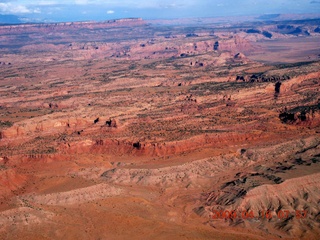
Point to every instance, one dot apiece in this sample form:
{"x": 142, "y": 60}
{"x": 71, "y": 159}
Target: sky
{"x": 99, "y": 10}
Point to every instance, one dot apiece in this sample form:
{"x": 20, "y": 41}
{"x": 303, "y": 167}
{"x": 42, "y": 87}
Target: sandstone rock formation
{"x": 134, "y": 130}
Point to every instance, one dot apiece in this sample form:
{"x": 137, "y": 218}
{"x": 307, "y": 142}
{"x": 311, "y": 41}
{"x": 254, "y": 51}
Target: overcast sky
{"x": 79, "y": 10}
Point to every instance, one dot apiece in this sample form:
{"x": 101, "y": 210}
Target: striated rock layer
{"x": 130, "y": 129}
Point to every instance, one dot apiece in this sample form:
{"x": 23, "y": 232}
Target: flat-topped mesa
{"x": 125, "y": 22}
{"x": 29, "y": 27}
{"x": 120, "y": 20}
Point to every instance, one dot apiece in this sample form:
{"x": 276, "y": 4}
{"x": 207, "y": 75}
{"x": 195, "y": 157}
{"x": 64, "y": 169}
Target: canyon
{"x": 143, "y": 129}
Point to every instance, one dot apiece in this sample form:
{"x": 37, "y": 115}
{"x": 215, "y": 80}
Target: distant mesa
{"x": 29, "y": 27}
{"x": 289, "y": 29}
{"x": 121, "y": 20}
{"x": 267, "y": 34}
{"x": 192, "y": 35}
{"x": 285, "y": 27}
{"x": 306, "y": 32}
{"x": 292, "y": 30}
{"x": 297, "y": 31}
{"x": 253, "y": 31}
{"x": 257, "y": 31}
{"x": 268, "y": 16}
{"x": 170, "y": 36}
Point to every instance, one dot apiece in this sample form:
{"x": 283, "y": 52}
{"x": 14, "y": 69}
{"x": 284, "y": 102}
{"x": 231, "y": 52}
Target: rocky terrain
{"x": 135, "y": 129}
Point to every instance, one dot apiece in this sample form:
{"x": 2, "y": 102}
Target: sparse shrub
{"x": 137, "y": 145}
{"x": 286, "y": 117}
{"x": 5, "y": 124}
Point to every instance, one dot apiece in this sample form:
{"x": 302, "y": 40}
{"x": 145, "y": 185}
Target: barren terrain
{"x": 130, "y": 129}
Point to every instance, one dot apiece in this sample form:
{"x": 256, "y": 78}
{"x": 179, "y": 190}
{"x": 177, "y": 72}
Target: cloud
{"x": 81, "y": 2}
{"x": 10, "y": 8}
{"x": 110, "y": 12}
{"x": 37, "y": 10}
{"x": 315, "y": 2}
{"x": 46, "y": 3}
{"x": 140, "y": 4}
